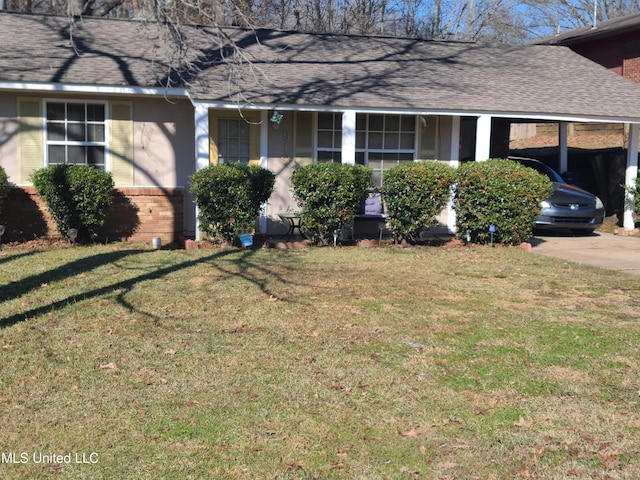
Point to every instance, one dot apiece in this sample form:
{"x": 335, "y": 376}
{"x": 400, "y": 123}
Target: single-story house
{"x": 116, "y": 95}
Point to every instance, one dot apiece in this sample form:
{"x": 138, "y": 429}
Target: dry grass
{"x": 353, "y": 363}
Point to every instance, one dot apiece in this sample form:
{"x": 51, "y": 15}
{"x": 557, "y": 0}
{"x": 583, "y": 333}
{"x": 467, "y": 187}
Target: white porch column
{"x": 349, "y": 137}
{"x": 630, "y": 175}
{"x": 264, "y": 161}
{"x": 202, "y": 145}
{"x": 483, "y": 138}
{"x": 563, "y": 146}
{"x": 454, "y": 161}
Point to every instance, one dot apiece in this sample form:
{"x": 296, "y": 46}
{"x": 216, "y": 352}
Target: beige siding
{"x": 30, "y": 137}
{"x": 121, "y": 162}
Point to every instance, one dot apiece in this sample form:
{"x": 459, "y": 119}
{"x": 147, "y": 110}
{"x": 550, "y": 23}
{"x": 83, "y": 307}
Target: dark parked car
{"x": 569, "y": 207}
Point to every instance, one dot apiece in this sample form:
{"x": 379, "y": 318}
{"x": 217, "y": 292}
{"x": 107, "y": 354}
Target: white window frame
{"x": 221, "y": 158}
{"x": 336, "y": 140}
{"x": 86, "y": 143}
{"x": 365, "y": 151}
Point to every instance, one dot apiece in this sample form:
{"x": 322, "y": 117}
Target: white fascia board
{"x": 93, "y": 89}
{"x": 448, "y": 113}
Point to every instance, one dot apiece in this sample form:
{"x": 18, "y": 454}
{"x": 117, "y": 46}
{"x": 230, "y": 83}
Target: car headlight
{"x": 545, "y": 204}
{"x": 599, "y": 203}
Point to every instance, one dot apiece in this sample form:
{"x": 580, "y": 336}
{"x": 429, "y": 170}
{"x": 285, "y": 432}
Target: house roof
{"x": 614, "y": 26}
{"x": 298, "y": 69}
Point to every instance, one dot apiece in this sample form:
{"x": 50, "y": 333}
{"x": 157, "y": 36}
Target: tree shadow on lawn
{"x": 11, "y": 258}
{"x": 22, "y": 287}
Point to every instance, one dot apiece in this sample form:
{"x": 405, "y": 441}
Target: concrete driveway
{"x": 603, "y": 250}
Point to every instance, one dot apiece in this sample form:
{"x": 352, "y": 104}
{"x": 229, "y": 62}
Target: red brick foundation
{"x": 137, "y": 215}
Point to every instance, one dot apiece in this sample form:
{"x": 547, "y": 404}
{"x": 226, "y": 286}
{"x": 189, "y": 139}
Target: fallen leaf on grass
{"x": 414, "y": 432}
{"x": 521, "y": 423}
{"x": 447, "y": 465}
{"x": 272, "y": 298}
{"x": 7, "y": 346}
{"x": 480, "y": 411}
{"x": 409, "y": 471}
{"x": 109, "y": 366}
{"x": 170, "y": 352}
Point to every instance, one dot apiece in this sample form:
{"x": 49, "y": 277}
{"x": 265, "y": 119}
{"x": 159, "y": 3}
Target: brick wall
{"x": 137, "y": 215}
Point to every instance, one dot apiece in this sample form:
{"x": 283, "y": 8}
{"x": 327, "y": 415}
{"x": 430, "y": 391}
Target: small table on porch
{"x": 293, "y": 222}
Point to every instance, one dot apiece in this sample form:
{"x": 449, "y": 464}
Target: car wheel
{"x": 583, "y": 231}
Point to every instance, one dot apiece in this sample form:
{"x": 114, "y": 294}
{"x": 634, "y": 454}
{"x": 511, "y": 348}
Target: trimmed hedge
{"x": 415, "y": 193}
{"x": 329, "y": 195}
{"x": 229, "y": 197}
{"x": 501, "y": 193}
{"x": 78, "y": 196}
{"x": 4, "y": 188}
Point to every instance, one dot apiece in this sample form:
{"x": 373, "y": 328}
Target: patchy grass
{"x": 317, "y": 363}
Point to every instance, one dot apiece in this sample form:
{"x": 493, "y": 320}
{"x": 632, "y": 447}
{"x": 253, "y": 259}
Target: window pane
{"x": 324, "y": 157}
{"x": 361, "y": 122}
{"x": 95, "y": 156}
{"x": 375, "y": 140}
{"x": 223, "y": 148}
{"x": 361, "y": 138}
{"x": 76, "y": 155}
{"x": 75, "y": 132}
{"x": 95, "y": 132}
{"x": 391, "y": 140}
{"x": 243, "y": 128}
{"x": 392, "y": 123}
{"x": 360, "y": 158}
{"x": 325, "y": 139}
{"x": 56, "y": 154}
{"x": 223, "y": 128}
{"x": 233, "y": 128}
{"x": 325, "y": 121}
{"x": 243, "y": 150}
{"x": 337, "y": 139}
{"x": 408, "y": 124}
{"x": 234, "y": 149}
{"x": 376, "y": 123}
{"x": 55, "y": 132}
{"x": 55, "y": 111}
{"x": 95, "y": 113}
{"x": 75, "y": 112}
{"x": 407, "y": 141}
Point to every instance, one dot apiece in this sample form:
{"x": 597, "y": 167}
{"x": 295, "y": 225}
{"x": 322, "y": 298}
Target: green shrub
{"x": 501, "y": 193}
{"x": 415, "y": 193}
{"x": 4, "y": 188}
{"x": 229, "y": 198}
{"x": 329, "y": 195}
{"x": 78, "y": 196}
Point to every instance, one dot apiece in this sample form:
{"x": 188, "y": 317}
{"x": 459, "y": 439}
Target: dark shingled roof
{"x": 619, "y": 25}
{"x": 290, "y": 68}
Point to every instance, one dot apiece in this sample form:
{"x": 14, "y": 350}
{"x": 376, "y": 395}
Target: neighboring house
{"x": 614, "y": 44}
{"x": 110, "y": 93}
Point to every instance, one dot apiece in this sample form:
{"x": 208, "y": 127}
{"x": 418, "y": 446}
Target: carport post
{"x": 630, "y": 176}
{"x": 563, "y": 136}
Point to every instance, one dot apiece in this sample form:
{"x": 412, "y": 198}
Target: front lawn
{"x": 347, "y": 363}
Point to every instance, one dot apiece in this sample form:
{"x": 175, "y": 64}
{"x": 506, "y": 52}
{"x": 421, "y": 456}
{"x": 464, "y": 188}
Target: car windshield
{"x": 543, "y": 169}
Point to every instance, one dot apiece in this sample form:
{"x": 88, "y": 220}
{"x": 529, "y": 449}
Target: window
{"x": 383, "y": 141}
{"x": 76, "y": 133}
{"x": 233, "y": 140}
{"x": 330, "y": 137}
